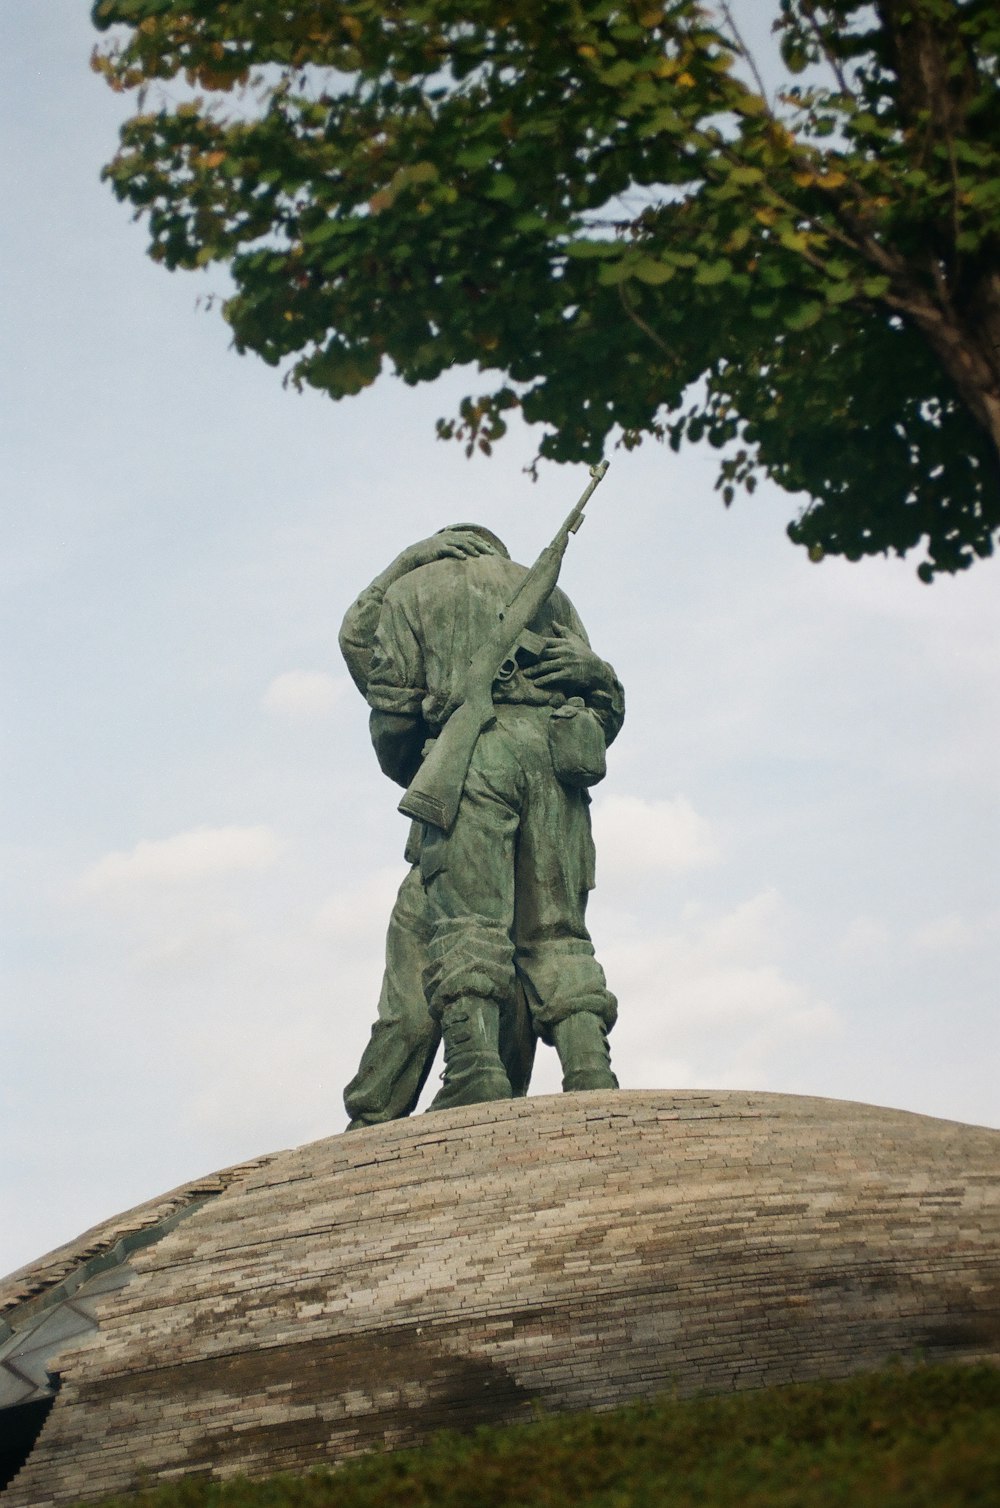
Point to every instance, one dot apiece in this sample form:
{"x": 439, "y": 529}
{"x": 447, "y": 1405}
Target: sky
{"x": 798, "y": 835}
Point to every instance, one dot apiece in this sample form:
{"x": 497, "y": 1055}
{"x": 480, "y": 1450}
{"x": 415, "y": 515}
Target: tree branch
{"x": 746, "y": 54}
{"x": 641, "y": 324}
{"x": 827, "y": 51}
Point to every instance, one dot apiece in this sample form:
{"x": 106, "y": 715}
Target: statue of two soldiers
{"x": 489, "y": 704}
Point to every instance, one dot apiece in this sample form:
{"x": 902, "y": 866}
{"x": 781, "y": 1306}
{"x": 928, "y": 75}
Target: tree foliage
{"x": 600, "y": 203}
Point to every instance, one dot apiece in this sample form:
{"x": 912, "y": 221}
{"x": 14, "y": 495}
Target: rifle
{"x": 436, "y": 789}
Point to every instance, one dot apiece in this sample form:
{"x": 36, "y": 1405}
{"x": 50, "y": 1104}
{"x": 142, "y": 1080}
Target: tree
{"x": 600, "y": 202}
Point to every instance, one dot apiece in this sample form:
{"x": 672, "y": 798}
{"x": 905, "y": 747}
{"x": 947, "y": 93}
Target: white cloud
{"x": 180, "y": 942}
{"x": 360, "y": 914}
{"x": 290, "y": 1077}
{"x": 303, "y": 694}
{"x": 635, "y": 836}
{"x": 865, "y": 935}
{"x": 199, "y": 854}
{"x": 947, "y": 934}
{"x": 711, "y": 1002}
{"x": 753, "y": 931}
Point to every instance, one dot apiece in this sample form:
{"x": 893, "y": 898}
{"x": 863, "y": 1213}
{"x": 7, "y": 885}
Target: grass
{"x": 922, "y": 1438}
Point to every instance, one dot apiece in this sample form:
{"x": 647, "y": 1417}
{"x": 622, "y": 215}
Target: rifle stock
{"x": 436, "y": 789}
{"x": 435, "y": 792}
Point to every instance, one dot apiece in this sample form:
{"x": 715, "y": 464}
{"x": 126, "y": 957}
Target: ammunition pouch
{"x": 576, "y": 744}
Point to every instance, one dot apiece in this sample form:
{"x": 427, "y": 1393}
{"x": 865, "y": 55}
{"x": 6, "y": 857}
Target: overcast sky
{"x": 797, "y": 839}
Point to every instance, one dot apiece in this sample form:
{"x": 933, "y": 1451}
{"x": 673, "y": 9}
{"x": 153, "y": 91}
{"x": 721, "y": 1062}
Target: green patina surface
{"x": 489, "y": 704}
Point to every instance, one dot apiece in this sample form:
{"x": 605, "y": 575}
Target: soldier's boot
{"x": 473, "y": 1071}
{"x": 581, "y": 1040}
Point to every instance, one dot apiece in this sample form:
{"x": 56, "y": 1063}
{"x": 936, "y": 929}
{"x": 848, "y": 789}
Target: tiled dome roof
{"x": 567, "y": 1252}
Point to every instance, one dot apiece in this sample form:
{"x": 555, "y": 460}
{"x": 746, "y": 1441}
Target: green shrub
{"x": 926, "y": 1438}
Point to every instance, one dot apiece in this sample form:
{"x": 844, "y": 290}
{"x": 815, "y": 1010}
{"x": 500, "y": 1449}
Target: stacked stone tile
{"x": 570, "y": 1252}
{"x": 29, "y": 1288}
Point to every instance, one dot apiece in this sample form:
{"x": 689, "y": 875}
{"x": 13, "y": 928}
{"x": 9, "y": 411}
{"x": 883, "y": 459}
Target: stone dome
{"x": 568, "y": 1252}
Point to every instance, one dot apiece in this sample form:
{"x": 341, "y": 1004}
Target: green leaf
{"x": 750, "y": 104}
{"x": 531, "y": 221}
{"x": 502, "y": 186}
{"x": 584, "y": 250}
{"x": 710, "y": 273}
{"x": 804, "y": 316}
{"x": 746, "y": 175}
{"x": 476, "y": 156}
{"x": 666, "y": 122}
{"x": 648, "y": 270}
{"x": 619, "y": 73}
{"x": 321, "y": 233}
{"x": 611, "y": 273}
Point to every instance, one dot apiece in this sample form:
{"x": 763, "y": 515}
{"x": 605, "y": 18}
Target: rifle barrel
{"x": 597, "y": 474}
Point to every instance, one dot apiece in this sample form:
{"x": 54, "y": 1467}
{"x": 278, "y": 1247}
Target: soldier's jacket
{"x": 357, "y": 634}
{"x": 430, "y": 625}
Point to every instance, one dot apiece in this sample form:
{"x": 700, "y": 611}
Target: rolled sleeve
{"x": 609, "y": 706}
{"x": 396, "y": 679}
{"x": 357, "y": 635}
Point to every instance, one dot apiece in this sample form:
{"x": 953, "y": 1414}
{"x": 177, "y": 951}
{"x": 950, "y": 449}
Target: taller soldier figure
{"x": 507, "y": 884}
{"x": 405, "y": 1037}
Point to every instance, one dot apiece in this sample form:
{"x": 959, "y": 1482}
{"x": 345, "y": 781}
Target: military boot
{"x": 473, "y": 1071}
{"x": 581, "y": 1041}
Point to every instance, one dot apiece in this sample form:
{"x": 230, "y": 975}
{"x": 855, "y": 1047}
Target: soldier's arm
{"x": 357, "y": 632}
{"x": 608, "y": 701}
{"x": 396, "y": 690}
{"x": 569, "y": 664}
{"x": 398, "y": 742}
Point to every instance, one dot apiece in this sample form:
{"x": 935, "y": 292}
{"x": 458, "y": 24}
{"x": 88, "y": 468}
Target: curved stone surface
{"x": 567, "y": 1252}
{"x": 32, "y": 1288}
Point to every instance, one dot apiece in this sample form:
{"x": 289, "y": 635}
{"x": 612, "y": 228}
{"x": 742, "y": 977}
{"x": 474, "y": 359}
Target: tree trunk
{"x": 968, "y": 347}
{"x": 937, "y": 81}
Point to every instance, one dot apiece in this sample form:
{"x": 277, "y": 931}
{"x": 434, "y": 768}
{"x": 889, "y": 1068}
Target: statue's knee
{"x": 468, "y": 956}
{"x": 566, "y": 981}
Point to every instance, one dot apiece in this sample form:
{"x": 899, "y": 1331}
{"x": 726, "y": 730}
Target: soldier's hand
{"x": 568, "y": 664}
{"x": 450, "y": 544}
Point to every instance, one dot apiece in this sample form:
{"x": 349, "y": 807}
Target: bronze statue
{"x": 489, "y": 704}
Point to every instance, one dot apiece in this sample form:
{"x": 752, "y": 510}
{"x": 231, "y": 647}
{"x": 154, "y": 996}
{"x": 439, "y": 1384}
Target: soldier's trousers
{"x": 404, "y": 1040}
{"x": 507, "y": 888}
